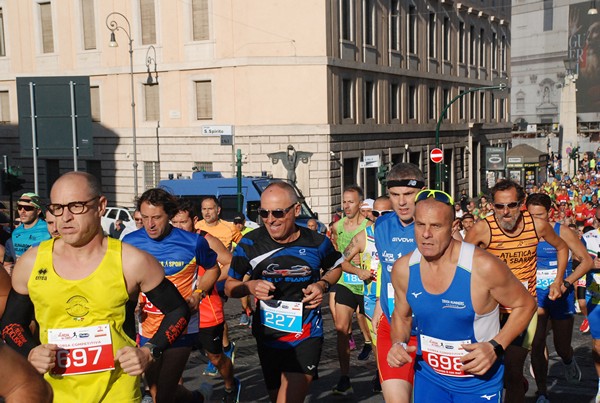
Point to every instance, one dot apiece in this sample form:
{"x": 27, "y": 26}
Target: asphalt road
{"x": 253, "y": 390}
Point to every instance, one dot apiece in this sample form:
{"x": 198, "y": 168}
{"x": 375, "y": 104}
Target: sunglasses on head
{"x": 438, "y": 195}
{"x": 26, "y": 208}
{"x": 276, "y": 213}
{"x": 377, "y": 213}
{"x": 511, "y": 205}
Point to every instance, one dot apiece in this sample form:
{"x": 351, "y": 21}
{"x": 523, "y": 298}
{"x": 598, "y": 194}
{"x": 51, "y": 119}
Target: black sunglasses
{"x": 436, "y": 195}
{"x": 502, "y": 206}
{"x": 26, "y": 208}
{"x": 277, "y": 213}
{"x": 377, "y": 213}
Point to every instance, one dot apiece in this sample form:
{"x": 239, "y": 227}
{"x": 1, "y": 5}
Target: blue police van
{"x": 203, "y": 184}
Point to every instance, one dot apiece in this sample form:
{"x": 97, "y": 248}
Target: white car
{"x": 113, "y": 214}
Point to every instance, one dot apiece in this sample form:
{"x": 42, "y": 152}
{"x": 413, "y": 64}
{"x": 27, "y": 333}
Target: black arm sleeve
{"x": 15, "y": 323}
{"x": 167, "y": 298}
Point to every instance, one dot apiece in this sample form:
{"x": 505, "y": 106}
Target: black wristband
{"x": 15, "y": 323}
{"x": 167, "y": 298}
{"x": 498, "y": 349}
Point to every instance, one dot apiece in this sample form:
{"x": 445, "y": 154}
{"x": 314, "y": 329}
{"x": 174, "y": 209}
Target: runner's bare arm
{"x": 4, "y": 289}
{"x": 19, "y": 382}
{"x": 223, "y": 255}
{"x": 354, "y": 248}
{"x": 143, "y": 273}
{"x": 479, "y": 235}
{"x": 545, "y": 230}
{"x": 492, "y": 274}
{"x": 579, "y": 253}
{"x": 261, "y": 289}
{"x": 401, "y": 317}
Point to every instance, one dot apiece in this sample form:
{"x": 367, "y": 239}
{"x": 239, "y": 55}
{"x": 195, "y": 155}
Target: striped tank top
{"x": 518, "y": 251}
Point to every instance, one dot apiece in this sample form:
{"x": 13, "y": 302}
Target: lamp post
{"x": 593, "y": 10}
{"x": 149, "y": 60}
{"x": 114, "y": 26}
{"x": 568, "y": 114}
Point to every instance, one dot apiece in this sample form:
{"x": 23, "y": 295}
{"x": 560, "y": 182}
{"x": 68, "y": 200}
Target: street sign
{"x": 436, "y": 155}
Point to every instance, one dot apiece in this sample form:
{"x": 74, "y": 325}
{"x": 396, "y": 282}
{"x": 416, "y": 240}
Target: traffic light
{"x": 382, "y": 173}
{"x": 445, "y": 172}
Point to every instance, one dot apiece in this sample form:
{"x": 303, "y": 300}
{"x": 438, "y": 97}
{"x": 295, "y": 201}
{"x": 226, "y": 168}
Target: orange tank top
{"x": 518, "y": 251}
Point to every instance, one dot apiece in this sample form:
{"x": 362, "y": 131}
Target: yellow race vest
{"x": 74, "y": 310}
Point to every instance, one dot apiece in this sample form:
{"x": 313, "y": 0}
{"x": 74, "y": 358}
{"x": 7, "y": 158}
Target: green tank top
{"x": 350, "y": 281}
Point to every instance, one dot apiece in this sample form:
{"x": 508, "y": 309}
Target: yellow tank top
{"x": 96, "y": 300}
{"x": 518, "y": 251}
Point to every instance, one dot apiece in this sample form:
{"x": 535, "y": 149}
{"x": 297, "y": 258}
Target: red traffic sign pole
{"x": 436, "y": 155}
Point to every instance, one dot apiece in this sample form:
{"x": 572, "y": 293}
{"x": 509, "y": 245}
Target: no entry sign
{"x": 436, "y": 155}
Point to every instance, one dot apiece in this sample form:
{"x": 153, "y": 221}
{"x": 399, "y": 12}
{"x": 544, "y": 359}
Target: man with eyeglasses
{"x": 84, "y": 291}
{"x": 394, "y": 238}
{"x": 363, "y": 245}
{"x": 513, "y": 235}
{"x": 33, "y": 229}
{"x": 284, "y": 262}
{"x": 452, "y": 290}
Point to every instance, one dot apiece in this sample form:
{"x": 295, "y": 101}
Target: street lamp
{"x": 114, "y": 26}
{"x": 593, "y": 10}
{"x": 149, "y": 60}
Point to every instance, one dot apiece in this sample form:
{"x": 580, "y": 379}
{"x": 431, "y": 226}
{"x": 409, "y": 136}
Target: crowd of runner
{"x": 450, "y": 297}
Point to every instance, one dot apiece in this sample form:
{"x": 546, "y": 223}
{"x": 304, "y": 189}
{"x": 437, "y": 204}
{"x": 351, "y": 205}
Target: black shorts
{"x": 211, "y": 338}
{"x": 344, "y": 296}
{"x": 303, "y": 359}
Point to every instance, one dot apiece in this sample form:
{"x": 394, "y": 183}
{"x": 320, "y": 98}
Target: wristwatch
{"x": 567, "y": 284}
{"x": 498, "y": 349}
{"x": 327, "y": 285}
{"x": 155, "y": 352}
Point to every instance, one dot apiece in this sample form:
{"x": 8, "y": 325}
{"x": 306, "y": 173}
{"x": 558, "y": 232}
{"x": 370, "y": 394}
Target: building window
{"x": 89, "y": 24}
{"x": 461, "y": 104}
{"x": 46, "y": 25}
{"x": 370, "y": 100}
{"x": 432, "y": 104}
{"x": 431, "y": 35}
{"x": 472, "y": 106}
{"x": 548, "y": 15}
{"x": 148, "y": 17}
{"x": 346, "y": 20}
{"x": 492, "y": 108}
{"x": 4, "y": 107}
{"x": 472, "y": 40}
{"x": 446, "y": 101}
{"x": 151, "y": 101}
{"x": 200, "y": 20}
{"x": 204, "y": 109}
{"x": 151, "y": 174}
{"x": 347, "y": 99}
{"x": 412, "y": 29}
{"x": 412, "y": 102}
{"x": 501, "y": 116}
{"x": 503, "y": 52}
{"x": 494, "y": 51}
{"x": 482, "y": 105}
{"x": 521, "y": 102}
{"x": 369, "y": 22}
{"x": 482, "y": 47}
{"x": 461, "y": 42}
{"x": 446, "y": 38}
{"x": 95, "y": 104}
{"x": 394, "y": 102}
{"x": 395, "y": 25}
{"x": 2, "y": 43}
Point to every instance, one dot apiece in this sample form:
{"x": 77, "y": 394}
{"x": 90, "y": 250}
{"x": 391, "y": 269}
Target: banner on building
{"x": 584, "y": 47}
